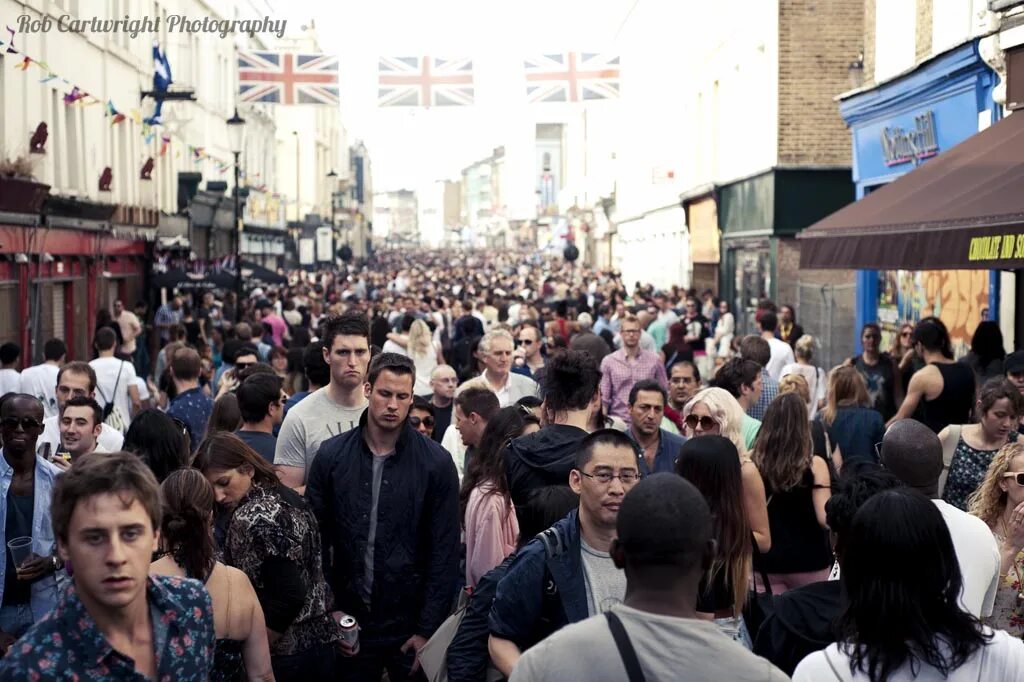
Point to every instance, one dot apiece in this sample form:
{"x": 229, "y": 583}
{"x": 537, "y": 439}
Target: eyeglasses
{"x": 27, "y": 423}
{"x": 426, "y": 421}
{"x": 606, "y": 477}
{"x": 1018, "y": 477}
{"x": 706, "y": 423}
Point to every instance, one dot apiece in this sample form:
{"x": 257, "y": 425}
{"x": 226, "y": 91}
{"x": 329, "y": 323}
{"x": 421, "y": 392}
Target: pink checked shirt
{"x": 619, "y": 374}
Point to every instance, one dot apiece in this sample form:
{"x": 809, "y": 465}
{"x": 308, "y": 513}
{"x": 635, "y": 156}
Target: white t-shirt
{"x": 782, "y": 355}
{"x": 978, "y": 556}
{"x": 452, "y": 442}
{"x": 392, "y": 347}
{"x": 816, "y": 382}
{"x": 668, "y": 648}
{"x": 1002, "y": 659}
{"x": 10, "y": 381}
{"x": 313, "y": 420}
{"x": 110, "y": 438}
{"x": 107, "y": 379}
{"x": 41, "y": 381}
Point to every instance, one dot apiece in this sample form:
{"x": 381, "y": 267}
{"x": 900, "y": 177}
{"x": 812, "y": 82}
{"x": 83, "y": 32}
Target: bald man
{"x": 443, "y": 382}
{"x": 913, "y": 453}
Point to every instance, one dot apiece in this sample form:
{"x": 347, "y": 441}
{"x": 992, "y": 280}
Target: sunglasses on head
{"x": 426, "y": 421}
{"x": 1018, "y": 477}
{"x": 27, "y": 423}
{"x": 706, "y": 423}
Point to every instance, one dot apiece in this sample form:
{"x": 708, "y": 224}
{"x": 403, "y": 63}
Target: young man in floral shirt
{"x": 115, "y": 621}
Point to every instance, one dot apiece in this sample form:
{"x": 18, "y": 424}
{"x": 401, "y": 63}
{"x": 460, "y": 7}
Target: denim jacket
{"x": 44, "y": 590}
{"x": 666, "y": 456}
{"x": 543, "y": 590}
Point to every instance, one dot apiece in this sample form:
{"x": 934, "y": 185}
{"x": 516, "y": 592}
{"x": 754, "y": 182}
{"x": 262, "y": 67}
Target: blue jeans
{"x": 15, "y": 619}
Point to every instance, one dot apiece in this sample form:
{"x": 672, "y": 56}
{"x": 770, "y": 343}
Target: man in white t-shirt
{"x": 782, "y": 352}
{"x": 115, "y": 378}
{"x": 10, "y": 378}
{"x": 913, "y": 452}
{"x": 75, "y": 380}
{"x": 331, "y": 410}
{"x": 41, "y": 380}
{"x": 664, "y": 544}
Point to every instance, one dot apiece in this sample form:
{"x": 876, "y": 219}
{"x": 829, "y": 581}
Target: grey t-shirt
{"x": 312, "y": 421}
{"x": 371, "y": 535}
{"x": 667, "y": 647}
{"x": 606, "y": 585}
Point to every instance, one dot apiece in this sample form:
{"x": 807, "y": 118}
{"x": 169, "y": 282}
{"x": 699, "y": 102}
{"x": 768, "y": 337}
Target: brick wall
{"x": 869, "y": 41}
{"x": 817, "y": 41}
{"x": 923, "y": 30}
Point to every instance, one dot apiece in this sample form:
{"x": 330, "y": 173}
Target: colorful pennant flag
{"x": 116, "y": 115}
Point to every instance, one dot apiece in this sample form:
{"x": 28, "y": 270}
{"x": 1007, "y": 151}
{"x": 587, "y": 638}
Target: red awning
{"x": 963, "y": 209}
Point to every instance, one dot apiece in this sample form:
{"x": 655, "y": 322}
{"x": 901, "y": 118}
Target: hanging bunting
{"x": 164, "y": 143}
{"x": 10, "y": 48}
{"x": 111, "y": 111}
{"x": 23, "y": 65}
{"x": 74, "y": 95}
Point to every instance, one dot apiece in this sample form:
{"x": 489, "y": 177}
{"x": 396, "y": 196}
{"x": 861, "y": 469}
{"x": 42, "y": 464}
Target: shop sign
{"x": 996, "y": 247}
{"x": 904, "y": 146}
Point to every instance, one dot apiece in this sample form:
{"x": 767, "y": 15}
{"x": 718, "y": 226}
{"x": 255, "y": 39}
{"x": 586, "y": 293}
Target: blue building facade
{"x": 897, "y": 126}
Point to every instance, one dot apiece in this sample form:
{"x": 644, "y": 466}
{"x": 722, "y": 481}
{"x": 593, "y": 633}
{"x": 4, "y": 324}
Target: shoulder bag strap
{"x": 832, "y": 665}
{"x": 948, "y": 450}
{"x": 633, "y": 670}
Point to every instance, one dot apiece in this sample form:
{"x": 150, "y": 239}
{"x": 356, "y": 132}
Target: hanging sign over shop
{"x": 996, "y": 247}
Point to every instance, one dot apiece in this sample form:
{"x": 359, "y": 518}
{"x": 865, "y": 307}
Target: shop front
{"x": 898, "y": 127}
{"x": 705, "y": 240}
{"x": 653, "y": 248}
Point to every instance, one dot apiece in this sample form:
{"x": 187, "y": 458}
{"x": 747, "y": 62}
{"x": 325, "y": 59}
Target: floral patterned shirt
{"x": 67, "y": 644}
{"x": 1008, "y": 610}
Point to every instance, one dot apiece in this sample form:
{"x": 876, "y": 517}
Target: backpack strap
{"x": 633, "y": 670}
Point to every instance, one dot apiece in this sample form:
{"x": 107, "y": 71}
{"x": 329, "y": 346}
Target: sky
{"x": 410, "y": 147}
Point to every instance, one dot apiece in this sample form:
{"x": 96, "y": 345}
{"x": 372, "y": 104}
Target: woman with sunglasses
{"x": 421, "y": 416}
{"x": 798, "y": 484}
{"x": 488, "y": 515}
{"x": 968, "y": 449}
{"x": 712, "y": 465}
{"x": 715, "y": 412}
{"x": 999, "y": 502}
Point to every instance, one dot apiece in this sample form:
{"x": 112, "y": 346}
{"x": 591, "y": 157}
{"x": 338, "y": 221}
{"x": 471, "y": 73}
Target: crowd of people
{"x": 507, "y": 466}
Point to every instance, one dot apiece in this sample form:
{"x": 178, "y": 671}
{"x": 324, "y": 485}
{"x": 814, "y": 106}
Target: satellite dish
{"x": 570, "y": 252}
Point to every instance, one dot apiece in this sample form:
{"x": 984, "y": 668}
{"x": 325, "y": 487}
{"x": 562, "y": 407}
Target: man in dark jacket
{"x": 546, "y": 457}
{"x": 386, "y": 498}
{"x": 567, "y": 574}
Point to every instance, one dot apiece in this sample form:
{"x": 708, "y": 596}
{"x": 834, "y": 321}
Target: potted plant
{"x": 19, "y": 192}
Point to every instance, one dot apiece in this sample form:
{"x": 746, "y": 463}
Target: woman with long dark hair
{"x": 987, "y": 352}
{"x": 159, "y": 441}
{"x": 186, "y": 534}
{"x": 273, "y": 538}
{"x": 712, "y": 465}
{"x": 903, "y": 618}
{"x": 798, "y": 484}
{"x": 488, "y": 516}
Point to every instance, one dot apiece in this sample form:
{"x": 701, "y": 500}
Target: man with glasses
{"x": 623, "y": 368}
{"x": 567, "y": 574}
{"x": 529, "y": 340}
{"x": 496, "y": 349}
{"x": 885, "y": 389}
{"x": 683, "y": 384}
{"x": 657, "y": 448}
{"x": 75, "y": 380}
{"x": 27, "y": 591}
{"x": 443, "y": 382}
{"x": 261, "y": 402}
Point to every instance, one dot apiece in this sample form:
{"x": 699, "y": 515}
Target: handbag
{"x": 434, "y": 654}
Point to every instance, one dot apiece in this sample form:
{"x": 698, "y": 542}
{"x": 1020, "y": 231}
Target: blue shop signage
{"x": 901, "y": 124}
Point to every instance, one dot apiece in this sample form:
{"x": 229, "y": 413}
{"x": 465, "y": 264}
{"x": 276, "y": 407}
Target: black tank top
{"x": 954, "y": 404}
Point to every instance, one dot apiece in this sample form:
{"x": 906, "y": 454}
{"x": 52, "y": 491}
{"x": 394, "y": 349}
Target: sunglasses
{"x": 706, "y": 423}
{"x": 526, "y": 342}
{"x": 1018, "y": 477}
{"x": 426, "y": 421}
{"x": 27, "y": 423}
{"x": 905, "y": 333}
{"x": 243, "y": 365}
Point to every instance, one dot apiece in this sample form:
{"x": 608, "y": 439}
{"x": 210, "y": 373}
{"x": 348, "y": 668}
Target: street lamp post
{"x": 236, "y": 135}
{"x": 333, "y": 178}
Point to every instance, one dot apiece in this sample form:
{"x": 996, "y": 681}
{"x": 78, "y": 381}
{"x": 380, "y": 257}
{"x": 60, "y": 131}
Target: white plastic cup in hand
{"x": 21, "y": 550}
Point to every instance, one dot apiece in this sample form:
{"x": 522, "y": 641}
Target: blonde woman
{"x": 715, "y": 412}
{"x": 853, "y": 428}
{"x": 813, "y": 375}
{"x": 999, "y": 502}
{"x": 425, "y": 353}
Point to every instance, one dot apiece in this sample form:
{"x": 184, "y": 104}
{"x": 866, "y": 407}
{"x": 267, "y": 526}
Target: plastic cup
{"x": 21, "y": 550}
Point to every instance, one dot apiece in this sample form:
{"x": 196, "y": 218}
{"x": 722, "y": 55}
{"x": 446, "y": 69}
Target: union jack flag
{"x": 288, "y": 78}
{"x": 424, "y": 81}
{"x": 572, "y": 77}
